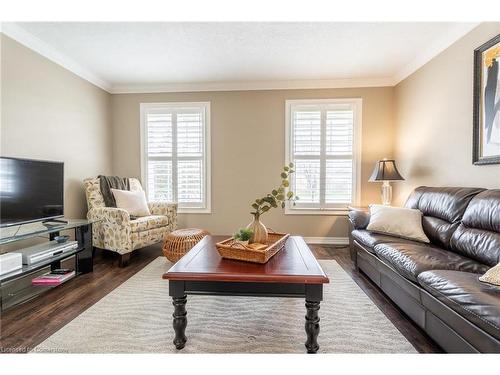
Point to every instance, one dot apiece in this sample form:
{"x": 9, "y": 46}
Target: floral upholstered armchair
{"x": 116, "y": 231}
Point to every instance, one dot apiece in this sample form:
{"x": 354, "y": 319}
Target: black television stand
{"x": 16, "y": 287}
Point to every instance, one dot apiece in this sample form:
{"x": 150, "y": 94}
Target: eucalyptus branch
{"x": 278, "y": 196}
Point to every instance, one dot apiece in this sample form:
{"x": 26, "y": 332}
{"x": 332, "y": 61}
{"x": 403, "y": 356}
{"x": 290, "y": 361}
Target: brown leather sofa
{"x": 437, "y": 284}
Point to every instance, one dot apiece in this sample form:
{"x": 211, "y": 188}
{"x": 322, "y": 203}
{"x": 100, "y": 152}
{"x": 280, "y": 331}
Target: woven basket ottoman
{"x": 180, "y": 241}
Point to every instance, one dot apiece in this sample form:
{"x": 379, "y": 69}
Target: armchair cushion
{"x": 133, "y": 201}
{"x": 149, "y": 222}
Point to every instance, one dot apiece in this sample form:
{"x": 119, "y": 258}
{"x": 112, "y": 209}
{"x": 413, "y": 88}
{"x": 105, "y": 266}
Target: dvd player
{"x": 47, "y": 250}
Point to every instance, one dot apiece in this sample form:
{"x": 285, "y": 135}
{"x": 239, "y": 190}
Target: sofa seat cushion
{"x": 411, "y": 259}
{"x": 370, "y": 239}
{"x": 465, "y": 294}
{"x": 148, "y": 222}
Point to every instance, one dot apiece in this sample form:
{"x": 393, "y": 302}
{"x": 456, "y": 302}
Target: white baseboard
{"x": 327, "y": 240}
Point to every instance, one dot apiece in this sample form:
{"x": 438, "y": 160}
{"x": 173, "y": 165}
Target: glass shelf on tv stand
{"x": 26, "y": 269}
{"x": 26, "y": 231}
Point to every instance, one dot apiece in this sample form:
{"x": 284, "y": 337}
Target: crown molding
{"x": 14, "y": 31}
{"x": 253, "y": 85}
{"x": 434, "y": 49}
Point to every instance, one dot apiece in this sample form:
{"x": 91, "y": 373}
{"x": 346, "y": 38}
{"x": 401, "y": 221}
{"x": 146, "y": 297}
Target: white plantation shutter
{"x": 176, "y": 154}
{"x": 190, "y": 159}
{"x": 307, "y": 180}
{"x": 307, "y": 130}
{"x": 339, "y": 155}
{"x": 159, "y": 145}
{"x": 321, "y": 142}
{"x": 190, "y": 181}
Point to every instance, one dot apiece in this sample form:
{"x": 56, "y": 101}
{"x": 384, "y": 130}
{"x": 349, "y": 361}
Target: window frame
{"x": 146, "y": 108}
{"x": 319, "y": 209}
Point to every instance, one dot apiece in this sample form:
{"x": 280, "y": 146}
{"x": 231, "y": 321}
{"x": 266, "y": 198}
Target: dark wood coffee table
{"x": 293, "y": 272}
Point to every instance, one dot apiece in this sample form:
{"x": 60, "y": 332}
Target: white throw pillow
{"x": 397, "y": 221}
{"x": 134, "y": 202}
{"x": 492, "y": 276}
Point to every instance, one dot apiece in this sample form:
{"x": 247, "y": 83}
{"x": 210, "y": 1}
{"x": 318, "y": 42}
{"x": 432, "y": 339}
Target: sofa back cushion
{"x": 442, "y": 209}
{"x": 478, "y": 236}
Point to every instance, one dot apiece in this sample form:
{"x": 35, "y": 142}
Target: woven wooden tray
{"x": 230, "y": 249}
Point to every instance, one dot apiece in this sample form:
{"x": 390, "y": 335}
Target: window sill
{"x": 194, "y": 211}
{"x": 316, "y": 211}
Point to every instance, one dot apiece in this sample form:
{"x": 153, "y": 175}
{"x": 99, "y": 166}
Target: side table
{"x": 180, "y": 241}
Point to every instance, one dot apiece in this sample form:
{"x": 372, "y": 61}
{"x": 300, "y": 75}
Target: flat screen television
{"x": 30, "y": 190}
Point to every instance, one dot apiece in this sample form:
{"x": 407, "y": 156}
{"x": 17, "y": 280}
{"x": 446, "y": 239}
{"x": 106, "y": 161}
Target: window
{"x": 323, "y": 141}
{"x": 176, "y": 154}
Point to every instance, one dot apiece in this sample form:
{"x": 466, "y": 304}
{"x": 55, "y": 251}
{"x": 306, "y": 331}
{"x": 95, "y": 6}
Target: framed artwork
{"x": 486, "y": 136}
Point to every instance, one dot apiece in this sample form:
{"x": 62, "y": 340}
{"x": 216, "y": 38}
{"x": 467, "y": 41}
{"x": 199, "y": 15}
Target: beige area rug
{"x": 136, "y": 317}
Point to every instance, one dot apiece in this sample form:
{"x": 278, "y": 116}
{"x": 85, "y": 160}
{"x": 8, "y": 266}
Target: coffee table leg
{"x": 180, "y": 321}
{"x": 312, "y": 326}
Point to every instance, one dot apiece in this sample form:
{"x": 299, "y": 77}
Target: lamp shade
{"x": 385, "y": 170}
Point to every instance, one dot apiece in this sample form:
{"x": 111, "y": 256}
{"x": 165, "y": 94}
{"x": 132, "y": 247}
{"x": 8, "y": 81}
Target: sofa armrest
{"x": 165, "y": 209}
{"x": 112, "y": 215}
{"x": 359, "y": 219}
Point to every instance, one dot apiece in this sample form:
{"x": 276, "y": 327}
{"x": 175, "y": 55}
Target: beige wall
{"x": 248, "y": 129}
{"x": 433, "y": 143}
{"x": 50, "y": 113}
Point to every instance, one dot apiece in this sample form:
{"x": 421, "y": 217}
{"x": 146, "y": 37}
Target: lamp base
{"x": 386, "y": 191}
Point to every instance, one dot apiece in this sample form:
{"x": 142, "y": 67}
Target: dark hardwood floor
{"x": 25, "y": 326}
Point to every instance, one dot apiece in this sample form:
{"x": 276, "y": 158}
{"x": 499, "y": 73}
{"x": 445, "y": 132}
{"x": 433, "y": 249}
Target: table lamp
{"x": 385, "y": 170}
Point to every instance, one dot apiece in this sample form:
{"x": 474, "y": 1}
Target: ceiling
{"x": 150, "y": 57}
